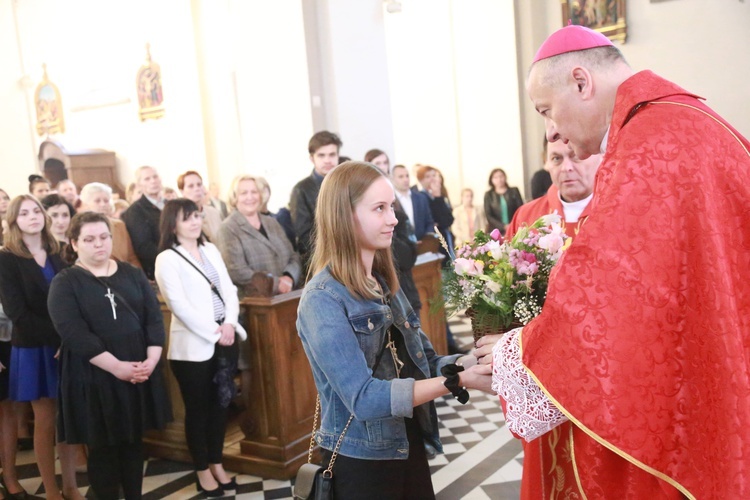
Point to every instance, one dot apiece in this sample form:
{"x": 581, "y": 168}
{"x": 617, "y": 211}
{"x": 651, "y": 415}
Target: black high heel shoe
{"x": 218, "y": 492}
{"x": 21, "y": 495}
{"x": 230, "y": 486}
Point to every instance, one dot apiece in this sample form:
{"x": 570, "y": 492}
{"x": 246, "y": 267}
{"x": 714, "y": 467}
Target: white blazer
{"x": 192, "y": 332}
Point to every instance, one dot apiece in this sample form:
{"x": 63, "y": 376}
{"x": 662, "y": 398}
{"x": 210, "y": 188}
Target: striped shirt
{"x": 213, "y": 275}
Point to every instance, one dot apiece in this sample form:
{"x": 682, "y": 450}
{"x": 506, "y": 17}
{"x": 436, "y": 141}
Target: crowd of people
{"x": 640, "y": 349}
{"x": 82, "y": 334}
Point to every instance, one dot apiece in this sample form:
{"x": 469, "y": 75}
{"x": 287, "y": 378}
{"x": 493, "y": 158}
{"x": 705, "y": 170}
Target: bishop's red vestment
{"x": 644, "y": 339}
{"x": 547, "y": 463}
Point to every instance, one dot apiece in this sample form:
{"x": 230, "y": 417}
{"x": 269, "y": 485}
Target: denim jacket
{"x": 342, "y": 336}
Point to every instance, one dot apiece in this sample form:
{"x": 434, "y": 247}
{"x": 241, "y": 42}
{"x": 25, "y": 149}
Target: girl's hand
{"x": 477, "y": 377}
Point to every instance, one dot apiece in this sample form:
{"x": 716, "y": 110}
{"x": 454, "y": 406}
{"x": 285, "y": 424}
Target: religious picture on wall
{"x": 49, "y": 111}
{"x": 605, "y": 16}
{"x": 150, "y": 92}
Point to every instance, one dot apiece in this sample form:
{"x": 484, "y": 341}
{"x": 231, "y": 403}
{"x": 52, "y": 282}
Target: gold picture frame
{"x": 604, "y": 16}
{"x": 149, "y": 88}
{"x": 49, "y": 110}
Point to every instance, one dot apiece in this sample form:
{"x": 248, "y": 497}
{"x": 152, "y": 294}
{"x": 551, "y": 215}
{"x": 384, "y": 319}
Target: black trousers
{"x": 378, "y": 479}
{"x": 112, "y": 467}
{"x": 205, "y": 419}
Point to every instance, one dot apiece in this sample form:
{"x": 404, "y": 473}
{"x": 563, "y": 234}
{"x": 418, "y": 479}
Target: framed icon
{"x": 604, "y": 16}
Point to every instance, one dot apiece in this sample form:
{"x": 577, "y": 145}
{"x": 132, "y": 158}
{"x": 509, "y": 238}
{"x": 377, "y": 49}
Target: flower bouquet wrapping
{"x": 503, "y": 284}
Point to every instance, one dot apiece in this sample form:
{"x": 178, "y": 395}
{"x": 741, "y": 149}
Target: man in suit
{"x": 415, "y": 204}
{"x": 324, "y": 154}
{"x": 142, "y": 218}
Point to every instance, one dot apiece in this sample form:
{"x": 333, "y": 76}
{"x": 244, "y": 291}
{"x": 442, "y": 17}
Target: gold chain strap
{"x": 315, "y": 426}
{"x": 329, "y": 471}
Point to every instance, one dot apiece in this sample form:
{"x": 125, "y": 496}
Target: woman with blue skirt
{"x": 28, "y": 262}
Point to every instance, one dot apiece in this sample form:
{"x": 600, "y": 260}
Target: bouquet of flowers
{"x": 503, "y": 284}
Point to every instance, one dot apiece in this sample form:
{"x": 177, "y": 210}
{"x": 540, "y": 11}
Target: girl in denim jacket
{"x": 352, "y": 319}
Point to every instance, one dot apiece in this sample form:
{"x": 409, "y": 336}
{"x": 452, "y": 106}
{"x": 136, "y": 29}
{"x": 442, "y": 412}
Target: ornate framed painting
{"x": 150, "y": 92}
{"x": 604, "y": 16}
{"x": 48, "y": 104}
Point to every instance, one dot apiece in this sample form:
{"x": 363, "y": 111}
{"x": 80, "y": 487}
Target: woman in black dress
{"x": 112, "y": 337}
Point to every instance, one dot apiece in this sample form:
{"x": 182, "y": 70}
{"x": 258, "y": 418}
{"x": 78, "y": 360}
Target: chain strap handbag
{"x": 314, "y": 482}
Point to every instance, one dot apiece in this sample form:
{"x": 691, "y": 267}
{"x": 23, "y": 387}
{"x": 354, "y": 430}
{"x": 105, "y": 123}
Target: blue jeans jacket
{"x": 342, "y": 336}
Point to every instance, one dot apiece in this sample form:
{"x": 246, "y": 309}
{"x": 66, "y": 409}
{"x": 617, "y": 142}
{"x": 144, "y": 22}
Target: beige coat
{"x": 246, "y": 251}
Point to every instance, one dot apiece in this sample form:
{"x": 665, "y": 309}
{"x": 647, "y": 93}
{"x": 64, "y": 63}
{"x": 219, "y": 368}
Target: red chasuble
{"x": 548, "y": 470}
{"x": 644, "y": 340}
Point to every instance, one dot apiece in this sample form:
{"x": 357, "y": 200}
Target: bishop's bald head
{"x": 572, "y": 82}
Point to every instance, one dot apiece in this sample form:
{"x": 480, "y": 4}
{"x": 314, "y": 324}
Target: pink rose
{"x": 495, "y": 235}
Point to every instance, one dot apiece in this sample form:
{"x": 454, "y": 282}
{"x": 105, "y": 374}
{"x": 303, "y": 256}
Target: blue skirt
{"x": 33, "y": 373}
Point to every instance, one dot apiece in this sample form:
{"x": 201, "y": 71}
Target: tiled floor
{"x": 481, "y": 460}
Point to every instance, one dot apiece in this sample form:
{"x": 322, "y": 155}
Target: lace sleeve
{"x": 529, "y": 413}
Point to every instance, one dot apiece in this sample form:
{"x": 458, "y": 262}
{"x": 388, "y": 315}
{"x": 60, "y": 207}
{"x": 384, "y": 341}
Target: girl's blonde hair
{"x": 14, "y": 236}
{"x": 335, "y": 241}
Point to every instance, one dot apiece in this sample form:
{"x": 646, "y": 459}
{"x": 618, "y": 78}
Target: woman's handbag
{"x": 314, "y": 482}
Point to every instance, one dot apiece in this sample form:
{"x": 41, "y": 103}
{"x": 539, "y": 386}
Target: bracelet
{"x": 452, "y": 382}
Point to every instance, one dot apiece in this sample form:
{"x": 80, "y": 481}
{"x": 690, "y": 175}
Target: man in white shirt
{"x": 415, "y": 204}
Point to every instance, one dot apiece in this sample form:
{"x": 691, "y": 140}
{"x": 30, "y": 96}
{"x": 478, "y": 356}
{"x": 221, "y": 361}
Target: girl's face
{"x": 467, "y": 198}
{"x": 94, "y": 244}
{"x": 374, "y": 219}
{"x": 60, "y": 215}
{"x": 30, "y": 218}
{"x": 498, "y": 179}
{"x": 40, "y": 190}
{"x": 190, "y": 228}
{"x": 248, "y": 198}
{"x": 4, "y": 202}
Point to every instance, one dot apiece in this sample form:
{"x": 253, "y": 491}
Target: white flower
{"x": 495, "y": 249}
{"x": 550, "y": 219}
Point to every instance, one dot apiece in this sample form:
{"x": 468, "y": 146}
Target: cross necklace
{"x": 109, "y": 295}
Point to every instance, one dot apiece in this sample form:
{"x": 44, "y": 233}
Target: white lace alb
{"x": 528, "y": 413}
